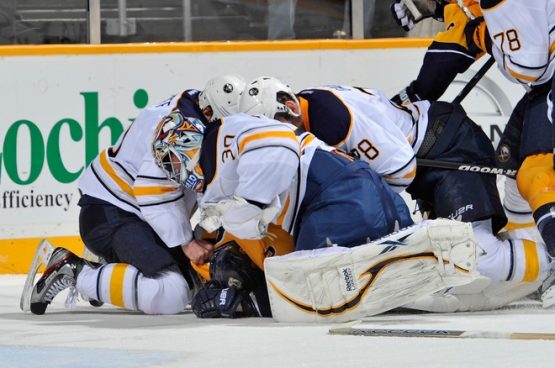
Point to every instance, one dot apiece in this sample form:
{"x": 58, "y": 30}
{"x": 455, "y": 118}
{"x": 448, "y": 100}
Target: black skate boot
{"x": 61, "y": 273}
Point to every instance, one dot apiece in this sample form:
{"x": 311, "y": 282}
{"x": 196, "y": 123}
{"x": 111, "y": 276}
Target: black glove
{"x": 477, "y": 36}
{"x": 215, "y": 301}
{"x": 406, "y": 96}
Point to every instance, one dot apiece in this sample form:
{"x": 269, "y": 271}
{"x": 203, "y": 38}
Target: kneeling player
{"x": 135, "y": 215}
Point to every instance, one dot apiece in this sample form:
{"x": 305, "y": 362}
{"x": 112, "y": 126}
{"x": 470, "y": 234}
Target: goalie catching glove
{"x": 214, "y": 300}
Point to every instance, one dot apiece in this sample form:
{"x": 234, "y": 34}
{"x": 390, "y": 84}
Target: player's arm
{"x": 268, "y": 160}
{"x": 449, "y": 54}
{"x": 163, "y": 204}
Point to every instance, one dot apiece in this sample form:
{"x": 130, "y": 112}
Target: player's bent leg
{"x": 512, "y": 256}
{"x": 535, "y": 180}
{"x": 341, "y": 284}
{"x": 125, "y": 286}
{"x": 511, "y": 267}
{"x": 517, "y": 209}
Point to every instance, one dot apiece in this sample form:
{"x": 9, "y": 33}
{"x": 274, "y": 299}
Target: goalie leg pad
{"x": 341, "y": 284}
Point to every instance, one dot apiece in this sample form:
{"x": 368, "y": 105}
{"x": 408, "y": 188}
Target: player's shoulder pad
{"x": 328, "y": 118}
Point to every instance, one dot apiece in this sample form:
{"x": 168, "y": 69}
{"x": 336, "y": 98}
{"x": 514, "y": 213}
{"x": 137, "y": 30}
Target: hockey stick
{"x": 462, "y": 166}
{"x": 42, "y": 255}
{"x": 466, "y": 167}
{"x": 474, "y": 80}
{"x": 401, "y": 332}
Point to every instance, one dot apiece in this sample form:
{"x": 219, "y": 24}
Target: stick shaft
{"x": 475, "y": 79}
{"x": 394, "y": 332}
{"x": 466, "y": 167}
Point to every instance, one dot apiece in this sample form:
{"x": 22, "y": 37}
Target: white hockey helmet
{"x": 176, "y": 149}
{"x": 222, "y": 94}
{"x": 264, "y": 96}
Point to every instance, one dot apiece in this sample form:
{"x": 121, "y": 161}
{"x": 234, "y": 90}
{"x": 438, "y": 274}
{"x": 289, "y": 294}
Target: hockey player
{"x": 522, "y": 37}
{"x": 255, "y": 175}
{"x": 450, "y": 53}
{"x": 135, "y": 215}
{"x": 253, "y": 179}
{"x": 370, "y": 126}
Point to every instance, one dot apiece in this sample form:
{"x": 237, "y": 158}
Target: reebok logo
{"x": 348, "y": 279}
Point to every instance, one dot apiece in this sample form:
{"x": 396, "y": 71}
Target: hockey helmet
{"x": 266, "y": 96}
{"x": 222, "y": 95}
{"x": 176, "y": 149}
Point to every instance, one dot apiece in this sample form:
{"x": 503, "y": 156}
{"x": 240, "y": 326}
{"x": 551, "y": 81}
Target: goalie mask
{"x": 267, "y": 96}
{"x": 176, "y": 149}
{"x": 222, "y": 95}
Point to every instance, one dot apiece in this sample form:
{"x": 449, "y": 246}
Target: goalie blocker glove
{"x": 215, "y": 301}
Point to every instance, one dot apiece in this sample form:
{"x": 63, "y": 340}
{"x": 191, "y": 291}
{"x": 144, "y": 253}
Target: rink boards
{"x": 63, "y": 104}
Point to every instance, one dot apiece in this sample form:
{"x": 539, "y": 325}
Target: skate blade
{"x": 42, "y": 255}
{"x": 548, "y": 298}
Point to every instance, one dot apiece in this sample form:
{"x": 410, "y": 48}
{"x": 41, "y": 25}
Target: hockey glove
{"x": 477, "y": 37}
{"x": 409, "y": 12}
{"x": 402, "y": 15}
{"x": 213, "y": 301}
{"x": 406, "y": 96}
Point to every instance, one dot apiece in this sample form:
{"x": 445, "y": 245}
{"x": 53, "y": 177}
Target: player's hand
{"x": 198, "y": 251}
{"x": 213, "y": 300}
{"x": 402, "y": 15}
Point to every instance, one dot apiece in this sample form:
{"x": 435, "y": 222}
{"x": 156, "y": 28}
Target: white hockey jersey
{"x": 126, "y": 175}
{"x": 366, "y": 123}
{"x": 523, "y": 38}
{"x": 251, "y": 157}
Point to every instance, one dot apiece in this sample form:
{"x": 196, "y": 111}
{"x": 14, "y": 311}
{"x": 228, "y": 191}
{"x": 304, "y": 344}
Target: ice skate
{"x": 547, "y": 291}
{"x": 61, "y": 272}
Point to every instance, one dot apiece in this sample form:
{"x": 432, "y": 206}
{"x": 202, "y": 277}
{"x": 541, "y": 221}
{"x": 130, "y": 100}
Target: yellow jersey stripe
{"x": 266, "y": 135}
{"x": 514, "y": 225}
{"x": 521, "y": 76}
{"x": 116, "y": 284}
{"x": 411, "y": 174}
{"x": 283, "y": 211}
{"x": 112, "y": 173}
{"x": 532, "y": 264}
{"x": 148, "y": 191}
{"x": 306, "y": 141}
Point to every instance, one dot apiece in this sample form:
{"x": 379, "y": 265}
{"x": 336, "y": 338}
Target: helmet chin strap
{"x": 293, "y": 114}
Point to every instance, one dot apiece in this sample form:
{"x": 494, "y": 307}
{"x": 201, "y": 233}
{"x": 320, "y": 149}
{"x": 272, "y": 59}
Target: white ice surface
{"x": 108, "y": 337}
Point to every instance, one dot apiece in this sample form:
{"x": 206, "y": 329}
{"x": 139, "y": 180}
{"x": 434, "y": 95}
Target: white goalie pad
{"x": 341, "y": 284}
{"x": 482, "y": 294}
{"x": 42, "y": 255}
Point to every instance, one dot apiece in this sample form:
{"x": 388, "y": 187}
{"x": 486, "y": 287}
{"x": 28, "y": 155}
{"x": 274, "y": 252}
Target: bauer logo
{"x": 348, "y": 278}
